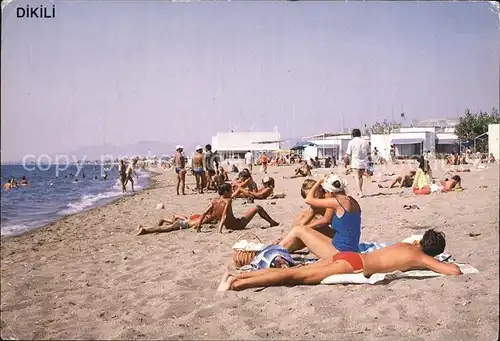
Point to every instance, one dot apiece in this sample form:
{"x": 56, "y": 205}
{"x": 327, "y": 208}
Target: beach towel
{"x": 267, "y": 256}
{"x": 377, "y": 278}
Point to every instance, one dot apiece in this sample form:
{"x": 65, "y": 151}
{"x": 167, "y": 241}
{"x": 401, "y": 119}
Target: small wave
{"x": 15, "y": 230}
{"x": 88, "y": 201}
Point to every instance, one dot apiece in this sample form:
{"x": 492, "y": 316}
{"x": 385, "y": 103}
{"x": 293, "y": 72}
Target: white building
{"x": 493, "y": 143}
{"x": 323, "y": 145}
{"x": 436, "y": 136}
{"x": 234, "y": 145}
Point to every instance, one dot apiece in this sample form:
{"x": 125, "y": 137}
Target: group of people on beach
{"x": 330, "y": 228}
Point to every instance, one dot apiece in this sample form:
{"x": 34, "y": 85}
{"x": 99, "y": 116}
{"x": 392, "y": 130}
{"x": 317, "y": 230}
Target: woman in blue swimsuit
{"x": 346, "y": 221}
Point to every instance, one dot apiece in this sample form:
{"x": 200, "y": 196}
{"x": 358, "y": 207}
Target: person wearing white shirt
{"x": 249, "y": 160}
{"x": 358, "y": 150}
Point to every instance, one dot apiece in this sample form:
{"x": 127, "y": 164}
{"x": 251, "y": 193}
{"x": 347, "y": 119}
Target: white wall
{"x": 493, "y": 142}
{"x": 383, "y": 144}
{"x": 416, "y": 129}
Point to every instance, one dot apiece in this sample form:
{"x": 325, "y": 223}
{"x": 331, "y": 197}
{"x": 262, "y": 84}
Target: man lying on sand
{"x": 300, "y": 172}
{"x": 181, "y": 222}
{"x": 223, "y": 210}
{"x": 401, "y": 256}
{"x": 402, "y": 181}
{"x": 264, "y": 192}
{"x": 447, "y": 185}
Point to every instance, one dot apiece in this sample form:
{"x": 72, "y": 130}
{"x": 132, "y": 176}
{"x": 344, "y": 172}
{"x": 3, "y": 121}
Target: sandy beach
{"x": 88, "y": 276}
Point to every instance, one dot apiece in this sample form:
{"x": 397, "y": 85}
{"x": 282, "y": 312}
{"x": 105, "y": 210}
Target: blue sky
{"x": 122, "y": 72}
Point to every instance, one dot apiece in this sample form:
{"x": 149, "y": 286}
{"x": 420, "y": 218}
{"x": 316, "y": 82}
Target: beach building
{"x": 234, "y": 145}
{"x": 493, "y": 142}
{"x": 434, "y": 135}
{"x": 322, "y": 145}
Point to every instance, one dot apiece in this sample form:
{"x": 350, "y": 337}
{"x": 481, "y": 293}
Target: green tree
{"x": 384, "y": 127}
{"x": 472, "y": 125}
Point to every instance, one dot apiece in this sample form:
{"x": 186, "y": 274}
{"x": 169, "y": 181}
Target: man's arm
{"x": 262, "y": 193}
{"x": 224, "y": 216}
{"x": 440, "y": 267}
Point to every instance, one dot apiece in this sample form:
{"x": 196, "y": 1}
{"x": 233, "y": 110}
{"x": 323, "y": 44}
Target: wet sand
{"x": 88, "y": 276}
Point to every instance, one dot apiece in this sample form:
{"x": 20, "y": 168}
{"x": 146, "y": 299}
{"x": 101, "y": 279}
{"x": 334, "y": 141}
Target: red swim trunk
{"x": 195, "y": 216}
{"x": 354, "y": 259}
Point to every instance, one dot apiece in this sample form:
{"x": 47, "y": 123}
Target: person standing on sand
{"x": 180, "y": 168}
{"x": 122, "y": 170}
{"x": 398, "y": 257}
{"x": 358, "y": 150}
{"x": 224, "y": 212}
{"x": 249, "y": 160}
{"x": 264, "y": 160}
{"x": 128, "y": 174}
{"x": 197, "y": 168}
{"x": 209, "y": 159}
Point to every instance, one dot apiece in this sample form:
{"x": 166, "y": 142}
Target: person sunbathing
{"x": 398, "y": 257}
{"x": 224, "y": 212}
{"x": 346, "y": 221}
{"x": 422, "y": 180}
{"x": 402, "y": 181}
{"x": 223, "y": 173}
{"x": 264, "y": 192}
{"x": 448, "y": 185}
{"x": 245, "y": 180}
{"x": 301, "y": 172}
{"x": 181, "y": 222}
{"x": 318, "y": 219}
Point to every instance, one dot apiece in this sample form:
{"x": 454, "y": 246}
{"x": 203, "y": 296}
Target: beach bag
{"x": 244, "y": 251}
{"x": 272, "y": 256}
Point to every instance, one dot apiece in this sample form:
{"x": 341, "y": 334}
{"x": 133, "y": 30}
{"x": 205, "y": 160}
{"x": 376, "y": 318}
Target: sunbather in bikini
{"x": 346, "y": 221}
{"x": 300, "y": 172}
{"x": 402, "y": 181}
{"x": 401, "y": 257}
{"x": 224, "y": 212}
{"x": 264, "y": 192}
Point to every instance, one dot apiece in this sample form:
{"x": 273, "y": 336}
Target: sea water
{"x": 51, "y": 195}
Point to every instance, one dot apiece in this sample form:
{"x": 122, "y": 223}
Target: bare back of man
{"x": 229, "y": 221}
{"x": 199, "y": 171}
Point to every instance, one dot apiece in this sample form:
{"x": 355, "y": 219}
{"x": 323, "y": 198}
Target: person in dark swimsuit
{"x": 180, "y": 165}
{"x": 198, "y": 170}
{"x": 346, "y": 221}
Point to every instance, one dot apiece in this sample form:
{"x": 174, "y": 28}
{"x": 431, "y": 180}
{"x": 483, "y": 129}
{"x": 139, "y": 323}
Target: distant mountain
{"x": 142, "y": 148}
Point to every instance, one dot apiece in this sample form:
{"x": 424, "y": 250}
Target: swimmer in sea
{"x": 197, "y": 169}
{"x": 129, "y": 171}
{"x": 24, "y": 181}
{"x": 180, "y": 165}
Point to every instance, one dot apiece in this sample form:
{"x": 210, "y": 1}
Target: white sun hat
{"x": 334, "y": 184}
{"x": 179, "y": 147}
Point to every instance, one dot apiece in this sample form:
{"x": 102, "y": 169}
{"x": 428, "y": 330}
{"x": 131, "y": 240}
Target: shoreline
{"x": 88, "y": 276}
{"x": 152, "y": 175}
